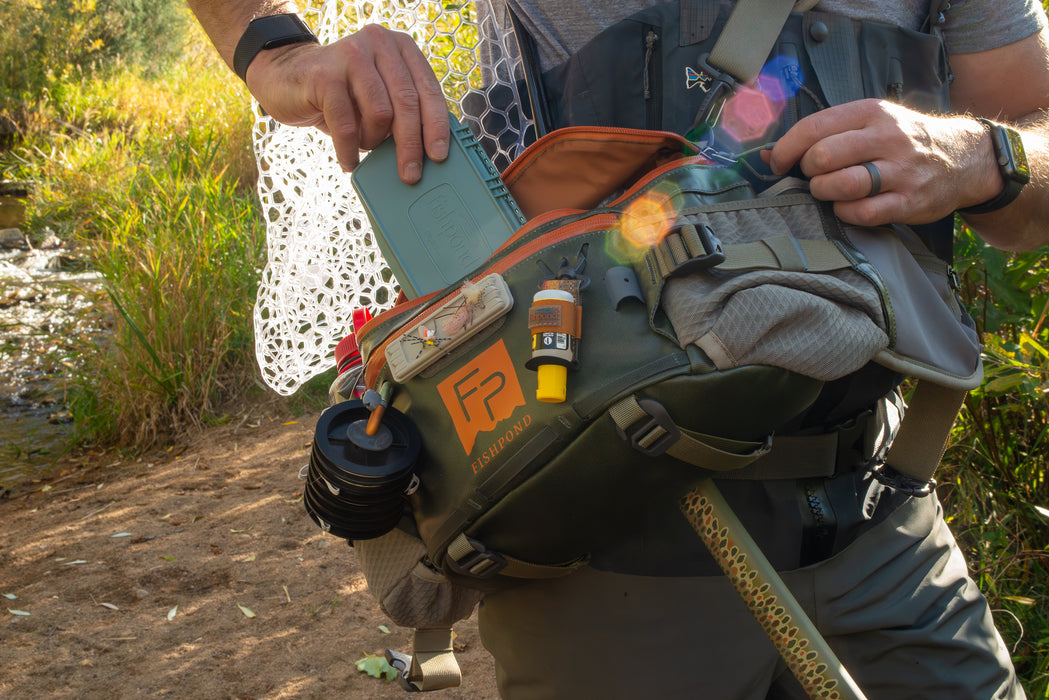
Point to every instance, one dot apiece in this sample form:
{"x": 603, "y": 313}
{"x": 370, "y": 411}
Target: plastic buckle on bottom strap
{"x": 468, "y": 557}
{"x": 652, "y": 435}
{"x": 689, "y": 248}
{"x": 887, "y": 476}
{"x": 403, "y": 663}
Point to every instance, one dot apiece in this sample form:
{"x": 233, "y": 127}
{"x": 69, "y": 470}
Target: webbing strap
{"x": 466, "y": 549}
{"x": 657, "y": 435}
{"x": 926, "y": 426}
{"x": 674, "y": 251}
{"x": 433, "y": 660}
{"x": 915, "y": 452}
{"x": 740, "y": 52}
{"x": 785, "y": 253}
{"x": 785, "y": 457}
{"x": 748, "y": 37}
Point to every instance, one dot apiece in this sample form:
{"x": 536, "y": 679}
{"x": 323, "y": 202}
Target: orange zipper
{"x": 601, "y": 219}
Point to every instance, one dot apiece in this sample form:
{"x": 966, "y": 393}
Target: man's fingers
{"x": 851, "y": 183}
{"x": 871, "y": 211}
{"x": 410, "y": 84}
{"x": 341, "y": 122}
{"x": 798, "y": 143}
{"x": 362, "y": 89}
{"x": 433, "y": 107}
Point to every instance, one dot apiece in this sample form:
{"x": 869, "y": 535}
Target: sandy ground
{"x": 195, "y": 573}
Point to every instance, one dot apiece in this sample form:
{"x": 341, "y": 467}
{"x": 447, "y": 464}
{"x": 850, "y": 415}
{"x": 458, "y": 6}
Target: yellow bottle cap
{"x": 552, "y": 382}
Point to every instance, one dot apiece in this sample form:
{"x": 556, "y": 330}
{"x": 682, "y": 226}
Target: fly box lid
{"x": 436, "y": 231}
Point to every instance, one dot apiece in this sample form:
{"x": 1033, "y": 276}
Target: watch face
{"x": 1021, "y": 170}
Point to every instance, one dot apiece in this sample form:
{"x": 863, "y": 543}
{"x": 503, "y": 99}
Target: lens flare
{"x": 749, "y": 115}
{"x": 644, "y": 223}
{"x": 753, "y": 112}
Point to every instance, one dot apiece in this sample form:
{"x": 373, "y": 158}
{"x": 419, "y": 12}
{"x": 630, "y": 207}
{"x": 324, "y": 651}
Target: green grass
{"x": 994, "y": 485}
{"x": 180, "y": 249}
{"x": 147, "y": 164}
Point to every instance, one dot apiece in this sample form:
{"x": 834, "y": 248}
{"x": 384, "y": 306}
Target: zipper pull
{"x": 650, "y": 44}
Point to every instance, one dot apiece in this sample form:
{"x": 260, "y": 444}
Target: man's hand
{"x": 929, "y": 166}
{"x": 359, "y": 90}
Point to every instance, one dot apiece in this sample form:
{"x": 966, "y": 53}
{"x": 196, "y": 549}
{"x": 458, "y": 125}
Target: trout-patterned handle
{"x": 817, "y": 669}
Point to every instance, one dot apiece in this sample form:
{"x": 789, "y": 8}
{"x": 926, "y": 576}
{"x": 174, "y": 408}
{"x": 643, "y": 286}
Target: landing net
{"x": 322, "y": 260}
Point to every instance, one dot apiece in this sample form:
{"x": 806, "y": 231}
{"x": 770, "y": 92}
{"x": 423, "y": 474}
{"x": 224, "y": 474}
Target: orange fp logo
{"x": 481, "y": 394}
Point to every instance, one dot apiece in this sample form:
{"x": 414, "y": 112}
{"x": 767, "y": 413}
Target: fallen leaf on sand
{"x": 377, "y": 667}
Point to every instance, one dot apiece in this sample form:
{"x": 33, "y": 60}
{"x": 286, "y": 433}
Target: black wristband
{"x": 269, "y": 33}
{"x": 1012, "y": 164}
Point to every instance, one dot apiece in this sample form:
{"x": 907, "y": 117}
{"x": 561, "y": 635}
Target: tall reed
{"x": 180, "y": 251}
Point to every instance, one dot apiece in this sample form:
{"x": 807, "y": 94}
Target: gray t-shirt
{"x": 562, "y": 27}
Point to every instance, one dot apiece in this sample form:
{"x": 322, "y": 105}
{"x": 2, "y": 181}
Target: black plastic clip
{"x": 718, "y": 86}
{"x": 570, "y": 272}
{"x": 652, "y": 436}
{"x": 908, "y": 485}
{"x": 403, "y": 663}
{"x": 480, "y": 563}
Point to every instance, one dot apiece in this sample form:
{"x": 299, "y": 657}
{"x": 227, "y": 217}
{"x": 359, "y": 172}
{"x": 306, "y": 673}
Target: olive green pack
{"x": 710, "y": 319}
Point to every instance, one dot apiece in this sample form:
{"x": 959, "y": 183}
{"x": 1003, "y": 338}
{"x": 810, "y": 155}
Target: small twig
{"x": 96, "y": 511}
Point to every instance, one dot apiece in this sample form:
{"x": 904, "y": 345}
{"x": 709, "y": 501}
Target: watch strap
{"x": 1012, "y": 164}
{"x": 268, "y": 33}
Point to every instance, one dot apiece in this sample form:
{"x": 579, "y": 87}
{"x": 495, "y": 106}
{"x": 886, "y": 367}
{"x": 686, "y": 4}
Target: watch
{"x": 269, "y": 33}
{"x": 1012, "y": 164}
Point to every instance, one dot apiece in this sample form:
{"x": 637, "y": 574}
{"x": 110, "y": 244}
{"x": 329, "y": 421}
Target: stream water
{"x": 48, "y": 315}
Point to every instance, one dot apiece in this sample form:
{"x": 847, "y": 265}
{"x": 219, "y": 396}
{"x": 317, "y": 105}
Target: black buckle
{"x": 481, "y": 563}
{"x": 902, "y": 483}
{"x": 655, "y": 435}
{"x": 403, "y": 663}
{"x": 713, "y": 253}
{"x": 718, "y": 87}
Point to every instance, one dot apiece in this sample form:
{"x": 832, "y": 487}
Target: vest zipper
{"x": 652, "y": 77}
{"x": 894, "y": 89}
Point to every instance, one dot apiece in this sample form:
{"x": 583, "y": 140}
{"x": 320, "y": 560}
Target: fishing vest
{"x": 646, "y": 72}
{"x": 650, "y": 71}
{"x": 545, "y": 488}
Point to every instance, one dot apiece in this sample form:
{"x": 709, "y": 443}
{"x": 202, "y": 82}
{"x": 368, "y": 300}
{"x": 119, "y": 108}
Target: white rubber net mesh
{"x": 322, "y": 258}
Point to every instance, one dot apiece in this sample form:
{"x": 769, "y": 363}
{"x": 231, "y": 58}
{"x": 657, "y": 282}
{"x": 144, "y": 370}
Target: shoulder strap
{"x": 737, "y": 56}
{"x": 748, "y": 36}
{"x": 740, "y": 51}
